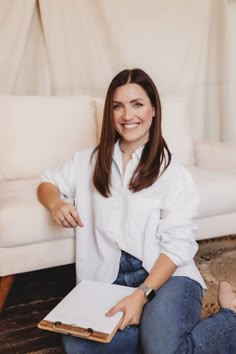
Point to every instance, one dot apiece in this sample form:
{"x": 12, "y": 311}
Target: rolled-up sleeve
{"x": 64, "y": 177}
{"x": 176, "y": 230}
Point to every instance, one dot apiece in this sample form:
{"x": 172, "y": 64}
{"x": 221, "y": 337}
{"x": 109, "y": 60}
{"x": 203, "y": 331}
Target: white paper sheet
{"x": 86, "y": 305}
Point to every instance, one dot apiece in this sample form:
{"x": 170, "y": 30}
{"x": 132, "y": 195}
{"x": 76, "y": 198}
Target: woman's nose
{"x": 127, "y": 114}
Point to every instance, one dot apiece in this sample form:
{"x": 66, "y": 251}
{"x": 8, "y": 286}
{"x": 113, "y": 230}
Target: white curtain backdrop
{"x": 71, "y": 47}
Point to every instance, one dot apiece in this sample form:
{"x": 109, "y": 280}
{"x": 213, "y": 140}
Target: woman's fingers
{"x": 64, "y": 223}
{"x": 115, "y": 309}
{"x": 126, "y": 322}
{"x": 75, "y": 215}
{"x": 67, "y": 216}
{"x": 69, "y": 220}
{"x": 131, "y": 306}
{"x": 119, "y": 307}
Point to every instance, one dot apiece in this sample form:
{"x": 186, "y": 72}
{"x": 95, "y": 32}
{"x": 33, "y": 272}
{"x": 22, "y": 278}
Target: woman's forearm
{"x": 162, "y": 270}
{"x": 64, "y": 214}
{"x": 48, "y": 195}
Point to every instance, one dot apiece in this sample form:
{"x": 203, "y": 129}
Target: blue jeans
{"x": 170, "y": 323}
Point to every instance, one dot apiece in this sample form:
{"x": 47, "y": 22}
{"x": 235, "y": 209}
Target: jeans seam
{"x": 224, "y": 332}
{"x": 183, "y": 316}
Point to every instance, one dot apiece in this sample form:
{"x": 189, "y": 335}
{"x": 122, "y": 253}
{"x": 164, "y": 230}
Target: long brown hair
{"x": 155, "y": 150}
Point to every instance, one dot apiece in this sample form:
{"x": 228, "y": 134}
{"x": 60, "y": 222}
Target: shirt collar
{"x": 117, "y": 152}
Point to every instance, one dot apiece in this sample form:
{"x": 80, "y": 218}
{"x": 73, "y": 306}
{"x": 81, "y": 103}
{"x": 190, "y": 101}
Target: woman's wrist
{"x": 139, "y": 294}
{"x": 55, "y": 204}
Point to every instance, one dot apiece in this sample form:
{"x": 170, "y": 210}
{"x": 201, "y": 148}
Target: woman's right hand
{"x": 66, "y": 215}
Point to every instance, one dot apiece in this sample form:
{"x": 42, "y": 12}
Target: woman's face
{"x": 132, "y": 114}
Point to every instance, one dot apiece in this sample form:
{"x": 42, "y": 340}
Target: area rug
{"x": 216, "y": 260}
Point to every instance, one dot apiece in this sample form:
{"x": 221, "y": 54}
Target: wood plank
{"x": 35, "y": 308}
{"x": 30, "y": 341}
{"x": 41, "y": 285}
{"x": 32, "y": 296}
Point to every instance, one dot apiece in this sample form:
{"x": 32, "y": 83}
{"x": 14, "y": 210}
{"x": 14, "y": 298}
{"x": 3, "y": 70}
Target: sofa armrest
{"x": 215, "y": 155}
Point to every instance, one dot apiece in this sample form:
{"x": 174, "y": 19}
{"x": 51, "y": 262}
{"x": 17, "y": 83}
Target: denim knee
{"x": 174, "y": 311}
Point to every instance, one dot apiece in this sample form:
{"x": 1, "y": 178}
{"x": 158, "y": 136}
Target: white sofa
{"x": 41, "y": 132}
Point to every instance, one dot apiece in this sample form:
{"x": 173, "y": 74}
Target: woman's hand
{"x": 132, "y": 307}
{"x": 65, "y": 214}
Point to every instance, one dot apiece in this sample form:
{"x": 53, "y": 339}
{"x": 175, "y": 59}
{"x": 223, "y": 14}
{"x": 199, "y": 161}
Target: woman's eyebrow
{"x": 134, "y": 100}
{"x": 137, "y": 99}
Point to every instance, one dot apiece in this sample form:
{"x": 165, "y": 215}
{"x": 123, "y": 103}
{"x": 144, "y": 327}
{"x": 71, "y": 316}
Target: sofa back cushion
{"x": 41, "y": 132}
{"x": 175, "y": 127}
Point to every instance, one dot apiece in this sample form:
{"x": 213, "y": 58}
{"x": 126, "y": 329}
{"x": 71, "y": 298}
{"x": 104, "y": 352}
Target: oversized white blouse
{"x": 158, "y": 219}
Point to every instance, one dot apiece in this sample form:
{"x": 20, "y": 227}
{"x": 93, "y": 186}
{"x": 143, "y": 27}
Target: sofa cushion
{"x": 175, "y": 126}
{"x": 41, "y": 132}
{"x": 23, "y": 220}
{"x": 217, "y": 191}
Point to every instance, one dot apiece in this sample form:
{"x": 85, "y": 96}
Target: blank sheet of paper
{"x": 86, "y": 305}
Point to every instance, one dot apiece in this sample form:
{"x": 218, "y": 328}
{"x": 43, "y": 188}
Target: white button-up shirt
{"x": 157, "y": 219}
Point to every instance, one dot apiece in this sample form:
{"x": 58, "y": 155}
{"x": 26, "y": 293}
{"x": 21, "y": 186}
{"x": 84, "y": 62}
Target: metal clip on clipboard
{"x": 58, "y": 329}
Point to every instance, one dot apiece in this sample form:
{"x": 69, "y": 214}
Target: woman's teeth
{"x": 130, "y": 126}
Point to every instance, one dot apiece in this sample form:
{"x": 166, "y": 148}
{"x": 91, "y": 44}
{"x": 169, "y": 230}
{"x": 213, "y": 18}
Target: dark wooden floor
{"x": 32, "y": 296}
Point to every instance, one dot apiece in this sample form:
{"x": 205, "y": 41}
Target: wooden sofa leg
{"x": 5, "y": 286}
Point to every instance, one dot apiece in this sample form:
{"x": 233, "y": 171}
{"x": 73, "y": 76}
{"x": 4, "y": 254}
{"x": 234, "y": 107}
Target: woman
{"x": 133, "y": 223}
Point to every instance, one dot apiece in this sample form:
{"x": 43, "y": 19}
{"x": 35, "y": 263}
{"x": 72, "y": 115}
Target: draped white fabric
{"x": 61, "y": 47}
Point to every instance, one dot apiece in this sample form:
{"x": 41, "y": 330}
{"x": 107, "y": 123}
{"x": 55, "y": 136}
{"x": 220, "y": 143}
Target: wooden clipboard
{"x": 86, "y": 333}
{"x": 71, "y": 317}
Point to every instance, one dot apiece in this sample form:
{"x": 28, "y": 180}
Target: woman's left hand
{"x": 131, "y": 306}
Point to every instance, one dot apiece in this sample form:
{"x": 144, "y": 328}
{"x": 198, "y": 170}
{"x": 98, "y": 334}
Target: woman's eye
{"x": 138, "y": 104}
{"x": 116, "y": 106}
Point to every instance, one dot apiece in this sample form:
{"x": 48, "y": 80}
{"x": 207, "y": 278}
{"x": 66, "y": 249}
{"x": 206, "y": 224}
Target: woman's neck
{"x": 129, "y": 149}
{"x": 128, "y": 154}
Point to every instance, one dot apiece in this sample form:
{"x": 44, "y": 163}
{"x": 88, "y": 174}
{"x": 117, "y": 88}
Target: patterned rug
{"x": 216, "y": 260}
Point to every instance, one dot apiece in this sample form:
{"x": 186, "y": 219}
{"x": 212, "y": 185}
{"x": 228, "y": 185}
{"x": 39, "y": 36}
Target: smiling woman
{"x": 135, "y": 227}
{"x": 132, "y": 114}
